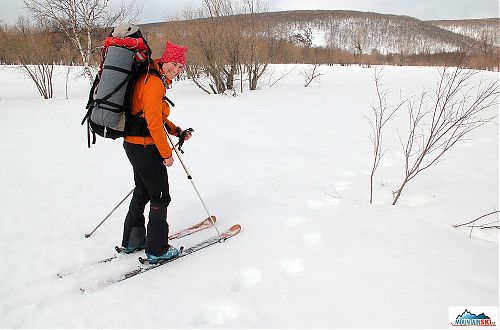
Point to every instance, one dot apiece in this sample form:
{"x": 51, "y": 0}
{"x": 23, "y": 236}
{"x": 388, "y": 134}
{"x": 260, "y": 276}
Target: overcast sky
{"x": 158, "y": 10}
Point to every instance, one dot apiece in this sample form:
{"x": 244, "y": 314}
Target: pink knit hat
{"x": 174, "y": 53}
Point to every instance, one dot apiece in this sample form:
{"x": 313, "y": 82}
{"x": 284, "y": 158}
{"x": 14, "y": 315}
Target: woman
{"x": 150, "y": 154}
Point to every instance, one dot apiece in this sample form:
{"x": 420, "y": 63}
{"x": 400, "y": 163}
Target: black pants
{"x": 151, "y": 185}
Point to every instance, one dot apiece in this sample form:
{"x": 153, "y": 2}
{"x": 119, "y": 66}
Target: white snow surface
{"x": 288, "y": 163}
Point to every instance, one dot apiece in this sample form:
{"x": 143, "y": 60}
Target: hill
{"x": 485, "y": 28}
{"x": 368, "y": 32}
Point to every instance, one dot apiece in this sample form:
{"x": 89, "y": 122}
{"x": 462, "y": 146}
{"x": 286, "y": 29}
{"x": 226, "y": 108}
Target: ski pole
{"x": 192, "y": 182}
{"x": 109, "y": 214}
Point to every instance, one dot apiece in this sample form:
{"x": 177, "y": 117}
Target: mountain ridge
{"x": 369, "y": 32}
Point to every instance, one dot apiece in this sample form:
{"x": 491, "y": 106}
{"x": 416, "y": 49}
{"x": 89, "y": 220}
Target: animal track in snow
{"x": 348, "y": 174}
{"x": 342, "y": 185}
{"x": 386, "y": 163}
{"x": 292, "y": 267}
{"x": 419, "y": 200}
{"x": 294, "y": 221}
{"x": 464, "y": 145}
{"x": 314, "y": 204}
{"x": 246, "y": 279}
{"x": 312, "y": 238}
{"x": 214, "y": 316}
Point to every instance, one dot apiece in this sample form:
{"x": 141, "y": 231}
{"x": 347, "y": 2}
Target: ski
{"x": 145, "y": 267}
{"x": 204, "y": 224}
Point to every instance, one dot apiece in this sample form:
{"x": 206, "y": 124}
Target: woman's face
{"x": 172, "y": 69}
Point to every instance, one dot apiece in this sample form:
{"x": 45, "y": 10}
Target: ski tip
{"x": 213, "y": 217}
{"x": 142, "y": 260}
{"x": 235, "y": 228}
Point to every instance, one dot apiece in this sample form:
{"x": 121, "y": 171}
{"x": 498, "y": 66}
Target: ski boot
{"x": 136, "y": 241}
{"x": 171, "y": 253}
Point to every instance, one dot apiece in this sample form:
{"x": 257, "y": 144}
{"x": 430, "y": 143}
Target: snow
{"x": 288, "y": 163}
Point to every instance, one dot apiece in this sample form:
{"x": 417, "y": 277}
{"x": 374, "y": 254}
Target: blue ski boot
{"x": 170, "y": 254}
{"x": 128, "y": 250}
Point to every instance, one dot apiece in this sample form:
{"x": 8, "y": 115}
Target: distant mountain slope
{"x": 370, "y": 31}
{"x": 366, "y": 32}
{"x": 475, "y": 28}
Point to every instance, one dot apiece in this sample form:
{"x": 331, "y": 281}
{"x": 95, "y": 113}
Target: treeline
{"x": 228, "y": 41}
{"x": 31, "y": 43}
{"x": 472, "y": 58}
{"x": 28, "y": 44}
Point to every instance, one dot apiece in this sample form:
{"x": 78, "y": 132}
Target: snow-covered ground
{"x": 288, "y": 163}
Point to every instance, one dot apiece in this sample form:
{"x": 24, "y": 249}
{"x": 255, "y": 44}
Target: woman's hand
{"x": 168, "y": 161}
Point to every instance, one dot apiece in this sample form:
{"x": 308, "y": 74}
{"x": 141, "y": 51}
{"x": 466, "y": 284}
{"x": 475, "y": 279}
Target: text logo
{"x": 470, "y": 319}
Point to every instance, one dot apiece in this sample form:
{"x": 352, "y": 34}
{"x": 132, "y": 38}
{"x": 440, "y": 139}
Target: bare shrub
{"x": 31, "y": 47}
{"x": 382, "y": 113}
{"x": 310, "y": 74}
{"x": 281, "y": 75}
{"x": 443, "y": 116}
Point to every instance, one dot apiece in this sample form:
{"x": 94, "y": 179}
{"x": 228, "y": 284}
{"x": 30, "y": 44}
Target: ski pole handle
{"x": 182, "y": 138}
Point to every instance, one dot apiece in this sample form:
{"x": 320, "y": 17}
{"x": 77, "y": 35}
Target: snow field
{"x": 291, "y": 165}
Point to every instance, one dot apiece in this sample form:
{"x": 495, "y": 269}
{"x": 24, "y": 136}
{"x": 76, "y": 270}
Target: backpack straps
{"x": 91, "y": 94}
{"x": 88, "y": 135}
{"x": 89, "y": 106}
{"x": 162, "y": 77}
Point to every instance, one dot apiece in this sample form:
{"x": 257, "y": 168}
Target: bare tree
{"x": 213, "y": 36}
{"x": 260, "y": 43}
{"x": 311, "y": 73}
{"x": 303, "y": 37}
{"x": 233, "y": 43}
{"x": 225, "y": 39}
{"x": 486, "y": 42}
{"x": 80, "y": 21}
{"x": 358, "y": 39}
{"x": 440, "y": 118}
{"x": 382, "y": 113}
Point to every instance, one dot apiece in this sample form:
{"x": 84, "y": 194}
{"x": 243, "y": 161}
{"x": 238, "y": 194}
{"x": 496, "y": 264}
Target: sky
{"x": 158, "y": 10}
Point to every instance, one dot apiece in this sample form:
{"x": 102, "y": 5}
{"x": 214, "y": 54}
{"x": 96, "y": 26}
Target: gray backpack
{"x": 124, "y": 56}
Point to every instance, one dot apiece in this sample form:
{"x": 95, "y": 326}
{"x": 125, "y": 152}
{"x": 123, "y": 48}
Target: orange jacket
{"x": 148, "y": 96}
